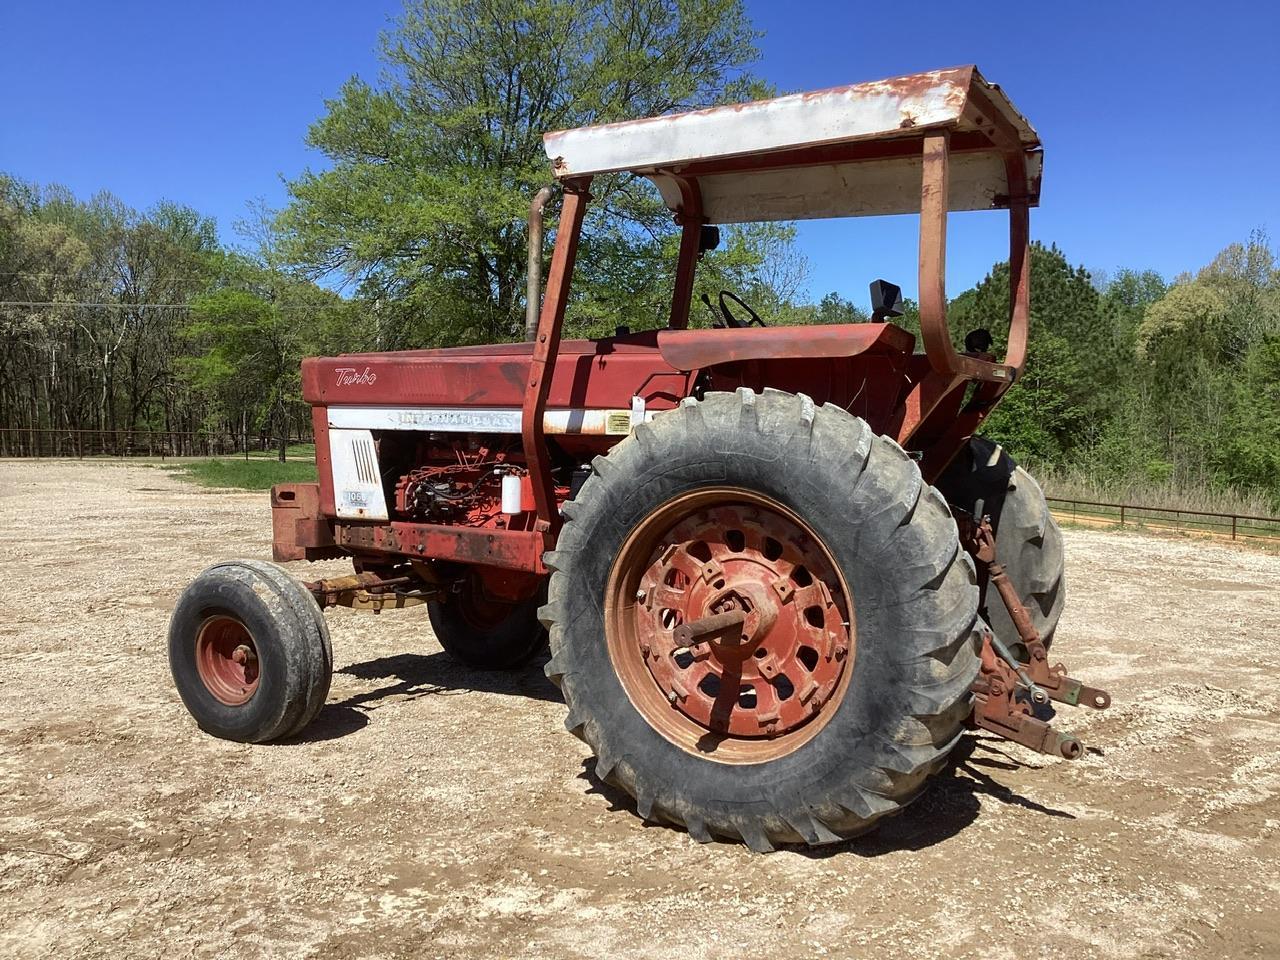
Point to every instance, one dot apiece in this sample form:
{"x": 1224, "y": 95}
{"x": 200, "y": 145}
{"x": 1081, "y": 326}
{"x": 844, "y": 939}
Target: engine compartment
{"x": 468, "y": 490}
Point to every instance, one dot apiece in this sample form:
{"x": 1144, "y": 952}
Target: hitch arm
{"x": 1049, "y": 682}
{"x": 1007, "y": 690}
{"x": 998, "y": 708}
{"x": 368, "y": 591}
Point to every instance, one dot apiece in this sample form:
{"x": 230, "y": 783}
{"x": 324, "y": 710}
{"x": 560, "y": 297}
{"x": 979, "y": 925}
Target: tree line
{"x": 119, "y": 319}
{"x": 1134, "y": 379}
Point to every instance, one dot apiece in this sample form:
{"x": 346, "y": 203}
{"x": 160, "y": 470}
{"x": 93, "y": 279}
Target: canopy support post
{"x": 545, "y": 346}
{"x": 691, "y": 221}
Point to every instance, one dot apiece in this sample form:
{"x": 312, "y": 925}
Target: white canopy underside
{"x": 862, "y": 189}
{"x": 663, "y": 147}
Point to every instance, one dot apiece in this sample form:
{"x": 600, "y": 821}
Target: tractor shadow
{"x": 335, "y": 720}
{"x": 438, "y": 674}
{"x": 412, "y": 676}
{"x": 951, "y": 803}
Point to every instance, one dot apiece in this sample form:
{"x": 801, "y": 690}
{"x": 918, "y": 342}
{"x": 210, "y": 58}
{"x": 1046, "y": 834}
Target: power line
{"x": 79, "y": 276}
{"x": 40, "y": 304}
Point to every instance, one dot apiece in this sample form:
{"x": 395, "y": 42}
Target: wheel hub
{"x": 735, "y": 621}
{"x": 227, "y": 660}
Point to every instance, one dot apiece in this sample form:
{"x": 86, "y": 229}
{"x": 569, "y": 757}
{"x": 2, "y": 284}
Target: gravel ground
{"x": 435, "y": 812}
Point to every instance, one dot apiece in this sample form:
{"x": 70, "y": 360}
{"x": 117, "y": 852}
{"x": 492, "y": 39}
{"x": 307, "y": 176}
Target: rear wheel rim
{"x": 764, "y": 687}
{"x": 227, "y": 660}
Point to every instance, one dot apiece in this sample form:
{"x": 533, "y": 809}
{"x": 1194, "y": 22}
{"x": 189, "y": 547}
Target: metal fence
{"x": 21, "y": 442}
{"x": 1232, "y": 526}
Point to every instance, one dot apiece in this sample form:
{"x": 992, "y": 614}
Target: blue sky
{"x": 1161, "y": 122}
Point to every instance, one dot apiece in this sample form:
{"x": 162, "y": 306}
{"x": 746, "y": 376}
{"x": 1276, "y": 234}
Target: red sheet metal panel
{"x": 696, "y": 349}
{"x": 593, "y": 374}
{"x": 482, "y": 546}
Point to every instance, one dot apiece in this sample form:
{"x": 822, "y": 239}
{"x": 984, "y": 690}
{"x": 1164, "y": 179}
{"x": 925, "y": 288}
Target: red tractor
{"x": 763, "y": 555}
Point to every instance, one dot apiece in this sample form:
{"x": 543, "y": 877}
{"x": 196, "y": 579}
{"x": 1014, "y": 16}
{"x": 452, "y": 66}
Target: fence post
{"x": 1233, "y": 526}
{"x": 1122, "y": 514}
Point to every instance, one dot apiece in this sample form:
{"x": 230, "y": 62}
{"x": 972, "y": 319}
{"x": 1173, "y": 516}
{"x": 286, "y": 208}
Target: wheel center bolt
{"x": 758, "y": 606}
{"x": 721, "y": 628}
{"x": 741, "y": 618}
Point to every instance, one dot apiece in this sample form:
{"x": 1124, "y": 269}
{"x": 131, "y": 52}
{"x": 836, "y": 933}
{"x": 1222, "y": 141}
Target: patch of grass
{"x": 241, "y": 474}
{"x": 295, "y": 451}
{"x": 1079, "y": 484}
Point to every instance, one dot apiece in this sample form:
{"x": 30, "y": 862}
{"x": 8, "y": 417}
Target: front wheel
{"x": 762, "y": 621}
{"x": 249, "y": 652}
{"x": 486, "y": 633}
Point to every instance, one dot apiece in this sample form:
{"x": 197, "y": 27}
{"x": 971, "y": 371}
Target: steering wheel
{"x": 732, "y": 320}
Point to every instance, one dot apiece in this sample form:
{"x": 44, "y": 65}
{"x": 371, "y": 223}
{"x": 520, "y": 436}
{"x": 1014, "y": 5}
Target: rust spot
{"x": 955, "y": 79}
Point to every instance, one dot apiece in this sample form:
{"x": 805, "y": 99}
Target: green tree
{"x": 1193, "y": 349}
{"x": 251, "y": 331}
{"x": 834, "y": 308}
{"x": 1192, "y": 354}
{"x": 1062, "y": 398}
{"x": 424, "y": 207}
{"x": 1189, "y": 321}
{"x": 1252, "y": 450}
{"x": 94, "y": 348}
{"x": 251, "y": 350}
{"x": 1125, "y": 298}
{"x": 33, "y": 354}
{"x": 1246, "y": 280}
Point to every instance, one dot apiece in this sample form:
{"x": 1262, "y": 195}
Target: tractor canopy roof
{"x": 848, "y": 151}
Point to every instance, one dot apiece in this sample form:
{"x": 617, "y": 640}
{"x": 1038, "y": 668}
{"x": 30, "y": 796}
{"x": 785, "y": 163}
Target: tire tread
{"x": 938, "y": 659}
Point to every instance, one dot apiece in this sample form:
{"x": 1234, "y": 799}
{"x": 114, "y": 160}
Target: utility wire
{"x": 79, "y": 276}
{"x": 33, "y": 304}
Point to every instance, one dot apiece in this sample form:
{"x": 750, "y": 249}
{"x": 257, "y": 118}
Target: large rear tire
{"x": 1028, "y": 539}
{"x": 864, "y": 605}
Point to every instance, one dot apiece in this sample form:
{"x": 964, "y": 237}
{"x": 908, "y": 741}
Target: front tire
{"x": 788, "y": 485}
{"x": 249, "y": 652}
{"x": 484, "y": 633}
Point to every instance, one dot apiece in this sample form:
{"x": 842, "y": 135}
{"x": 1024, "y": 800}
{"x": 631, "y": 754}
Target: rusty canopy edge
{"x": 844, "y": 144}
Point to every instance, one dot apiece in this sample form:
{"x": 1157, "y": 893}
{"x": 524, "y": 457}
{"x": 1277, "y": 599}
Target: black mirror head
{"x": 886, "y": 300}
{"x": 978, "y": 341}
{"x": 708, "y": 239}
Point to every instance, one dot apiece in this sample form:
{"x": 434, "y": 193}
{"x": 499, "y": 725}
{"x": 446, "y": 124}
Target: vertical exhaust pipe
{"x": 533, "y": 287}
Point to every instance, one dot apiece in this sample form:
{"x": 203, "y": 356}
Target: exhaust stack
{"x": 533, "y": 288}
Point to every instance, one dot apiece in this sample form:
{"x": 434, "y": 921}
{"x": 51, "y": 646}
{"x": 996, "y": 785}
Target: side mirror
{"x": 886, "y": 300}
{"x": 978, "y": 341}
{"x": 708, "y": 239}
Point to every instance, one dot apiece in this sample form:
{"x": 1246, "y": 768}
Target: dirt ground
{"x": 434, "y": 812}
